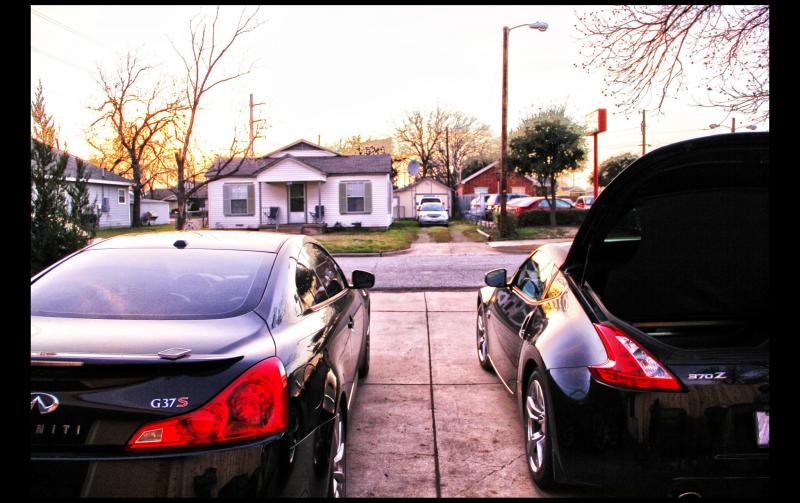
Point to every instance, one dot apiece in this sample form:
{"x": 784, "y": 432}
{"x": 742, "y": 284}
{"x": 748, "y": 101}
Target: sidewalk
{"x": 528, "y": 243}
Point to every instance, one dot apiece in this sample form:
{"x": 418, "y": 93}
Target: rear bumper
{"x": 267, "y": 469}
{"x": 655, "y": 443}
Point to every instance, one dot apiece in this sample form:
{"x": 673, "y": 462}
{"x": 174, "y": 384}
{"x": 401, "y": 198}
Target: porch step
{"x": 309, "y": 229}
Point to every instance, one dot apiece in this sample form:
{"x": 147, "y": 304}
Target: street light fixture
{"x": 541, "y": 26}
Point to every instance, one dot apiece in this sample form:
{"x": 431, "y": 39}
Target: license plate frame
{"x": 762, "y": 428}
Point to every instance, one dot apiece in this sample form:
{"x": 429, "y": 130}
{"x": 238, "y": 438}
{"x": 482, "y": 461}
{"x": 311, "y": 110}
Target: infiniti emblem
{"x": 47, "y": 403}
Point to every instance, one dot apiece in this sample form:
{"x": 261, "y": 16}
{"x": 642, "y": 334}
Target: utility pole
{"x": 733, "y": 124}
{"x": 644, "y": 127}
{"x": 503, "y": 137}
{"x": 252, "y": 137}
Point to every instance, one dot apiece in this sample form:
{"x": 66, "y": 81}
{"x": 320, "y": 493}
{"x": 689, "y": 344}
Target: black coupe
{"x": 639, "y": 354}
{"x": 195, "y": 364}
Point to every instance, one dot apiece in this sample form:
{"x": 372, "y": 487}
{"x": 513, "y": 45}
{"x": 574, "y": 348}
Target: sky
{"x": 330, "y": 72}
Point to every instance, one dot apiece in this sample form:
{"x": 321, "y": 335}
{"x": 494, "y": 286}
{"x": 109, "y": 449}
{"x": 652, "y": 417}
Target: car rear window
{"x": 153, "y": 284}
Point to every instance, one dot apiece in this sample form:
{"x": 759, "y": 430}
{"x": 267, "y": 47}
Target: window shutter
{"x": 226, "y": 199}
{"x": 342, "y": 198}
{"x": 368, "y": 197}
{"x": 251, "y": 199}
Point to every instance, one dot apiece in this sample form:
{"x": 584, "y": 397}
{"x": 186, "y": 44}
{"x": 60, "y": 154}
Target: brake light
{"x": 255, "y": 405}
{"x": 629, "y": 365}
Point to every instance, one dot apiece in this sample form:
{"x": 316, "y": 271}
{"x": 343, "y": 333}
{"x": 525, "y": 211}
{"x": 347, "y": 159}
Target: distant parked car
{"x": 429, "y": 199}
{"x": 432, "y": 214}
{"x": 494, "y": 200}
{"x": 526, "y": 204}
{"x": 584, "y": 202}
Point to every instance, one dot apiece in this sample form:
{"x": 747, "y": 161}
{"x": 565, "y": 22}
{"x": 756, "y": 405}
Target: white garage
{"x": 158, "y": 208}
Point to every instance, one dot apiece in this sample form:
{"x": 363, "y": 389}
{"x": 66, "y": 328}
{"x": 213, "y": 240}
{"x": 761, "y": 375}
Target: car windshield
{"x": 432, "y": 207}
{"x": 152, "y": 284}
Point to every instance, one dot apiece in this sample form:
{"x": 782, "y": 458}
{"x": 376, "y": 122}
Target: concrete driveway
{"x": 428, "y": 421}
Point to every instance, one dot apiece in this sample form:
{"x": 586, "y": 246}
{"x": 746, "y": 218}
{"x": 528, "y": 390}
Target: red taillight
{"x": 255, "y": 405}
{"x": 629, "y": 365}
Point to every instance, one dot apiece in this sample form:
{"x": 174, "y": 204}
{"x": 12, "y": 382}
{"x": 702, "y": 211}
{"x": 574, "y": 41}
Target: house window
{"x": 121, "y": 196}
{"x": 481, "y": 190}
{"x": 517, "y": 190}
{"x": 238, "y": 197}
{"x": 355, "y": 197}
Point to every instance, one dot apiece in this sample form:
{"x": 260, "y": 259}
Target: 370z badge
{"x": 166, "y": 403}
{"x": 711, "y": 376}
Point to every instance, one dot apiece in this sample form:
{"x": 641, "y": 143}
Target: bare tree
{"x": 644, "y": 49}
{"x": 206, "y": 52}
{"x": 465, "y": 137}
{"x": 420, "y": 135}
{"x": 138, "y": 114}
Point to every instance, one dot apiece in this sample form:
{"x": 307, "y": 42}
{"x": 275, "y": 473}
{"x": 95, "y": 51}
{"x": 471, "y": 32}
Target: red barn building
{"x": 487, "y": 181}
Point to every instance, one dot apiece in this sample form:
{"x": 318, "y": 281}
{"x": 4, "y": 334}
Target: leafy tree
{"x": 611, "y": 167}
{"x": 54, "y": 233}
{"x": 644, "y": 49}
{"x": 475, "y": 164}
{"x": 546, "y": 145}
{"x": 81, "y": 209}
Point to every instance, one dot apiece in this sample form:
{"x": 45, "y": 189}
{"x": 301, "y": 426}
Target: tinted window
{"x": 329, "y": 273}
{"x": 152, "y": 283}
{"x": 309, "y": 287}
{"x": 532, "y": 277}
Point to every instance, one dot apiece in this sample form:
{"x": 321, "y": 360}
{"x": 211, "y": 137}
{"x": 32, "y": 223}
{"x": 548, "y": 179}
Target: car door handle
{"x": 350, "y": 323}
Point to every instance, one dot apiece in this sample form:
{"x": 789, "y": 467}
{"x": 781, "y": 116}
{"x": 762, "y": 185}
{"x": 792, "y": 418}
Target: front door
{"x": 297, "y": 203}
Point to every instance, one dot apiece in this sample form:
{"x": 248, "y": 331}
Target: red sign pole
{"x": 595, "y": 165}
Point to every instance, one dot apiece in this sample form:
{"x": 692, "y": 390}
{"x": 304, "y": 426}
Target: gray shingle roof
{"x": 96, "y": 174}
{"x": 338, "y": 165}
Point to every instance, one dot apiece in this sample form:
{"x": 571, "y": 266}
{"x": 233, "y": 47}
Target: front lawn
{"x": 399, "y": 237}
{"x": 107, "y": 233}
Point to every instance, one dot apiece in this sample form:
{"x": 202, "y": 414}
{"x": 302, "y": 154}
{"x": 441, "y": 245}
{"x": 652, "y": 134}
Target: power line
{"x": 73, "y": 65}
{"x": 67, "y": 28}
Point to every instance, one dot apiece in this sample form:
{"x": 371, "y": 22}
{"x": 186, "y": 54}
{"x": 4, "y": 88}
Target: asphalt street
{"x": 426, "y": 268}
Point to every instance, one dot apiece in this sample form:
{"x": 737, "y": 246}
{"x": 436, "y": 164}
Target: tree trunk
{"x": 180, "y": 220}
{"x": 552, "y": 201}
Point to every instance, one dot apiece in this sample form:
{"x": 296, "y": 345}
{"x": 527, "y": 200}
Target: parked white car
{"x": 432, "y": 214}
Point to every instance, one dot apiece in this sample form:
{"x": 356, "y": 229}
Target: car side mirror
{"x": 496, "y": 278}
{"x": 363, "y": 279}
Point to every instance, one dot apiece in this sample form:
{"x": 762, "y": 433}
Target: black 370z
{"x": 639, "y": 354}
{"x": 195, "y": 364}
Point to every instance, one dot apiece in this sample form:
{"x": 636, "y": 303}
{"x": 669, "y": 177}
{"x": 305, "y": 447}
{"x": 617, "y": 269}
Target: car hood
{"x": 427, "y": 213}
{"x": 724, "y": 160}
{"x": 94, "y": 338}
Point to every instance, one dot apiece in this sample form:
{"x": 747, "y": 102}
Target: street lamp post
{"x": 751, "y": 127}
{"x": 504, "y": 123}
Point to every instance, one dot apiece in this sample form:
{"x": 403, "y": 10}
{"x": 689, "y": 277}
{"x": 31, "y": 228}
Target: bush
{"x": 563, "y": 217}
{"x": 511, "y": 224}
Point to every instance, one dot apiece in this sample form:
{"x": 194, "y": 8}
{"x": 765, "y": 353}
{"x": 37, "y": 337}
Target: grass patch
{"x": 545, "y": 232}
{"x": 468, "y": 229}
{"x": 107, "y": 233}
{"x": 438, "y": 234}
{"x": 398, "y": 237}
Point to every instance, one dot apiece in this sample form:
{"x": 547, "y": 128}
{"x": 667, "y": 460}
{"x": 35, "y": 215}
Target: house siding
{"x": 119, "y": 214}
{"x": 290, "y": 169}
{"x": 491, "y": 179}
{"x": 216, "y": 213}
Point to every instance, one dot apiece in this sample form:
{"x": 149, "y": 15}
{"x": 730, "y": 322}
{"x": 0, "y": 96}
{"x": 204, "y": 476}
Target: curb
{"x": 373, "y": 254}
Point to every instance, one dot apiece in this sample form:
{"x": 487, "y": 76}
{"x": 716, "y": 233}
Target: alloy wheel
{"x": 339, "y": 461}
{"x": 536, "y": 431}
{"x": 482, "y": 341}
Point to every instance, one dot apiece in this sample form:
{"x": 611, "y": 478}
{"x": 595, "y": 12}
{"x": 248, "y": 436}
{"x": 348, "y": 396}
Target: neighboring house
{"x": 296, "y": 179}
{"x": 158, "y": 208}
{"x": 198, "y": 200}
{"x": 487, "y": 180}
{"x": 108, "y": 192}
{"x": 407, "y": 198}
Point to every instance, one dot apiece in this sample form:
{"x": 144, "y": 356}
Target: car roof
{"x": 207, "y": 239}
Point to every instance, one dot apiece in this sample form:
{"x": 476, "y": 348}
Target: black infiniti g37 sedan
{"x": 638, "y": 354}
{"x": 215, "y": 363}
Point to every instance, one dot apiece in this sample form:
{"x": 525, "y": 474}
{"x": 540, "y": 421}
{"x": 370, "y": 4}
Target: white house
{"x": 108, "y": 192}
{"x": 292, "y": 182}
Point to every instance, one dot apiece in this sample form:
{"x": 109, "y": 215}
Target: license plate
{"x": 762, "y": 425}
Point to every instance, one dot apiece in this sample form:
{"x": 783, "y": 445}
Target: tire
{"x": 363, "y": 365}
{"x": 538, "y": 445}
{"x": 482, "y": 340}
{"x": 337, "y": 481}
